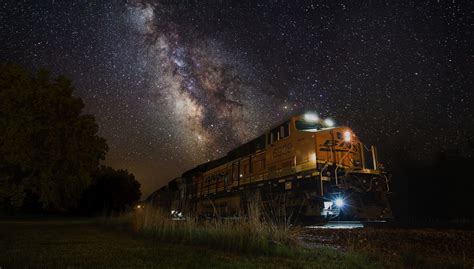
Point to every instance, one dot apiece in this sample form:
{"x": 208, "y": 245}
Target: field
{"x": 84, "y": 244}
{"x": 66, "y": 243}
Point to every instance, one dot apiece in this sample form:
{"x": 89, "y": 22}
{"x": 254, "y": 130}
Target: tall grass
{"x": 252, "y": 234}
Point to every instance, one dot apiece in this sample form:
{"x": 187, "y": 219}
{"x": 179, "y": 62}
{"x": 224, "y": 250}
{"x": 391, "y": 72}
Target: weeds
{"x": 258, "y": 235}
{"x": 249, "y": 235}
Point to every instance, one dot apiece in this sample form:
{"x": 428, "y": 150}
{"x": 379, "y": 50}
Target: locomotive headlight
{"x": 339, "y": 202}
{"x": 311, "y": 117}
{"x": 347, "y": 136}
{"x": 329, "y": 122}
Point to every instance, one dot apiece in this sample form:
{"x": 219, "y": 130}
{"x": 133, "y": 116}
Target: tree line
{"x": 439, "y": 190}
{"x": 50, "y": 150}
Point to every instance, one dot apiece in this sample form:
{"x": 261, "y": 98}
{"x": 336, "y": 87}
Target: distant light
{"x": 311, "y": 117}
{"x": 339, "y": 202}
{"x": 241, "y": 175}
{"x": 139, "y": 206}
{"x": 312, "y": 157}
{"x": 347, "y": 136}
{"x": 329, "y": 122}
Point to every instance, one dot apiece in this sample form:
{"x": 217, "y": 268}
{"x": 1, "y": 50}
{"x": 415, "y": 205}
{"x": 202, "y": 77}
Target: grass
{"x": 252, "y": 235}
{"x": 85, "y": 244}
{"x": 65, "y": 243}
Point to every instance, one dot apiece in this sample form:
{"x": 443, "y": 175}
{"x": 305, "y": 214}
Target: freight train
{"x": 305, "y": 169}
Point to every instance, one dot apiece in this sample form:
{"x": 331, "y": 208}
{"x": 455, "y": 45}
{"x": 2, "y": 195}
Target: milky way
{"x": 204, "y": 91}
{"x": 173, "y": 84}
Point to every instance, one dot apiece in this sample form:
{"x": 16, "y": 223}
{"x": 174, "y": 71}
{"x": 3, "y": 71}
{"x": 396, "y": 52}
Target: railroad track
{"x": 350, "y": 225}
{"x": 392, "y": 224}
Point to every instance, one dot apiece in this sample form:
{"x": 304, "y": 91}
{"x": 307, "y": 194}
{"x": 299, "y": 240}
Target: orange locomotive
{"x": 304, "y": 168}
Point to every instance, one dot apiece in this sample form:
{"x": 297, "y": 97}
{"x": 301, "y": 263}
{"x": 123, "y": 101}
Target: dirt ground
{"x": 432, "y": 245}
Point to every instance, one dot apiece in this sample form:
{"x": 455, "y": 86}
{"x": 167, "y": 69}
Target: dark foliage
{"x": 437, "y": 192}
{"x": 111, "y": 191}
{"x": 48, "y": 147}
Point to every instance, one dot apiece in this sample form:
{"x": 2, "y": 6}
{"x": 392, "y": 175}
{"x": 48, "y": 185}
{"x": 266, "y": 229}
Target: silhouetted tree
{"x": 48, "y": 147}
{"x": 111, "y": 191}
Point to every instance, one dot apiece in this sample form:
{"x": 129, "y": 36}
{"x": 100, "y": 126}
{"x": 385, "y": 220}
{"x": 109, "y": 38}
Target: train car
{"x": 304, "y": 169}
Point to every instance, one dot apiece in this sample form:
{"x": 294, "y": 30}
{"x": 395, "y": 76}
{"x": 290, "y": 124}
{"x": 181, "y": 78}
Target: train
{"x": 305, "y": 170}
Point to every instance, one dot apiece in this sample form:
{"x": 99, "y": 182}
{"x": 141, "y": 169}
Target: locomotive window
{"x": 260, "y": 142}
{"x": 308, "y": 126}
{"x": 226, "y": 179}
{"x": 339, "y": 135}
{"x": 273, "y": 136}
{"x": 285, "y": 130}
{"x": 279, "y": 132}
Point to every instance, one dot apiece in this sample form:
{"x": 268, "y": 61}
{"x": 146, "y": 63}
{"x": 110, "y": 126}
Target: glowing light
{"x": 329, "y": 122}
{"x": 311, "y": 117}
{"x": 139, "y": 206}
{"x": 339, "y": 202}
{"x": 327, "y": 204}
{"x": 347, "y": 136}
{"x": 312, "y": 157}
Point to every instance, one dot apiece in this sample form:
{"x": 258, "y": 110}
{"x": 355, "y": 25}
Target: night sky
{"x": 173, "y": 84}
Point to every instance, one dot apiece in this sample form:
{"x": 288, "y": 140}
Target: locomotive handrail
{"x": 340, "y": 162}
{"x": 387, "y": 181}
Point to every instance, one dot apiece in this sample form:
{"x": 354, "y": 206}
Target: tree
{"x": 111, "y": 191}
{"x": 48, "y": 147}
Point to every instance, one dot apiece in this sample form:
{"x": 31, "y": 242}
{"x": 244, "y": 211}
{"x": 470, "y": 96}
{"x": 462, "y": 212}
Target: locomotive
{"x": 304, "y": 168}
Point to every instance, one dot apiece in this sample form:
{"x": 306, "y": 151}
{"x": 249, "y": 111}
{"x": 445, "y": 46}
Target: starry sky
{"x": 173, "y": 84}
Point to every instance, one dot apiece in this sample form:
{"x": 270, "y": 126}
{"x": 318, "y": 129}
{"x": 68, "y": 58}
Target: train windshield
{"x": 308, "y": 126}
